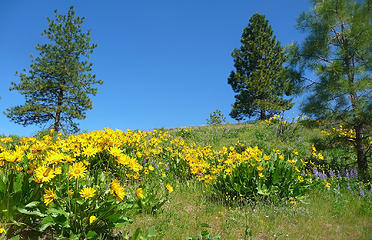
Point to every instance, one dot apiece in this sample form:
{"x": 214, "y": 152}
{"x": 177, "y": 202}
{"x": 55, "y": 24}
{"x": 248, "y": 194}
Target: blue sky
{"x": 163, "y": 63}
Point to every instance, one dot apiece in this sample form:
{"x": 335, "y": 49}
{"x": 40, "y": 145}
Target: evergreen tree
{"x": 260, "y": 80}
{"x": 338, "y": 49}
{"x": 58, "y": 85}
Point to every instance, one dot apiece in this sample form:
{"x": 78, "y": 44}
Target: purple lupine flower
{"x": 331, "y": 173}
{"x": 354, "y": 174}
{"x": 339, "y": 175}
{"x": 303, "y": 174}
{"x": 166, "y": 166}
{"x": 347, "y": 175}
{"x": 315, "y": 172}
{"x": 348, "y": 187}
{"x": 144, "y": 161}
{"x": 362, "y": 192}
{"x": 370, "y": 191}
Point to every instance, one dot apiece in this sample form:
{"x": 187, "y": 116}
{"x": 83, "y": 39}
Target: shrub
{"x": 254, "y": 176}
{"x": 216, "y": 118}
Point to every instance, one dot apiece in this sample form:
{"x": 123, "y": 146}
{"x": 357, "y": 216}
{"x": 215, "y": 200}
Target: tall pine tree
{"x": 59, "y": 82}
{"x": 338, "y": 49}
{"x": 260, "y": 79}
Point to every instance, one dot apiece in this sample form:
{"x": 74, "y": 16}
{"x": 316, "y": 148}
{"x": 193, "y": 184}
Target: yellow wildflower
{"x": 92, "y": 219}
{"x": 291, "y": 161}
{"x": 261, "y": 175}
{"x": 77, "y": 170}
{"x": 57, "y": 170}
{"x": 259, "y": 168}
{"x": 327, "y": 184}
{"x": 169, "y": 187}
{"x": 49, "y": 196}
{"x": 139, "y": 193}
{"x": 313, "y": 147}
{"x": 87, "y": 192}
{"x": 303, "y": 162}
{"x": 117, "y": 190}
{"x": 2, "y": 230}
{"x": 44, "y": 174}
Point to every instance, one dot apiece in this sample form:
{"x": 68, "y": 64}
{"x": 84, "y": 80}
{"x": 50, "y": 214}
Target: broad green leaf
{"x": 32, "y": 204}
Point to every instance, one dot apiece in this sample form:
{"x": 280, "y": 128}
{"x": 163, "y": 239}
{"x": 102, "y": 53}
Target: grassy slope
{"x": 323, "y": 218}
{"x": 326, "y": 216}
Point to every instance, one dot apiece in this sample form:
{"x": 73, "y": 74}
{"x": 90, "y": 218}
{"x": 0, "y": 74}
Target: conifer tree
{"x": 260, "y": 79}
{"x": 59, "y": 82}
{"x": 338, "y": 49}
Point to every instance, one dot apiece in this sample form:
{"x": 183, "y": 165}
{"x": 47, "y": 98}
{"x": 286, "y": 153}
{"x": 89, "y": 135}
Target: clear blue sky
{"x": 163, "y": 63}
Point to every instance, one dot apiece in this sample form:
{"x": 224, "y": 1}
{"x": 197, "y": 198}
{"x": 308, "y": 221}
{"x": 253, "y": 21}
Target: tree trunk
{"x": 361, "y": 154}
{"x": 262, "y": 114}
{"x": 349, "y": 62}
{"x": 57, "y": 120}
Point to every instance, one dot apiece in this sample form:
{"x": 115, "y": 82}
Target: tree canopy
{"x": 260, "y": 79}
{"x": 338, "y": 49}
{"x": 58, "y": 86}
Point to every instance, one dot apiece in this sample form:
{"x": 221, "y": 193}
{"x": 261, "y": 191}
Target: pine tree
{"x": 338, "y": 49}
{"x": 59, "y": 82}
{"x": 260, "y": 80}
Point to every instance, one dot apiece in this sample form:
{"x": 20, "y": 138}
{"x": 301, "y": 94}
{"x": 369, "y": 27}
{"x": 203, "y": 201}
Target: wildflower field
{"x": 264, "y": 180}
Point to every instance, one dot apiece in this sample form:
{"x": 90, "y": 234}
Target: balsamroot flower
{"x": 117, "y": 190}
{"x": 169, "y": 187}
{"x": 87, "y": 192}
{"x": 77, "y": 170}
{"x": 139, "y": 193}
{"x": 49, "y": 196}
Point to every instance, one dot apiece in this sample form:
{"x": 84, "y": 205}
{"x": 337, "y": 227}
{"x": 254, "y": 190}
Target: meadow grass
{"x": 335, "y": 211}
{"x": 325, "y": 214}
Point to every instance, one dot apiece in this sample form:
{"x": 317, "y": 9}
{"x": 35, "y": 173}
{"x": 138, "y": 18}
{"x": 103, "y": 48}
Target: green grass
{"x": 324, "y": 215}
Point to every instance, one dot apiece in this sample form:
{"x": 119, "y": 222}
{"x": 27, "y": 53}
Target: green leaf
{"x": 205, "y": 225}
{"x": 55, "y": 212}
{"x": 151, "y": 232}
{"x": 14, "y": 238}
{"x": 262, "y": 190}
{"x": 92, "y": 234}
{"x": 204, "y": 233}
{"x": 48, "y": 221}
{"x": 276, "y": 177}
{"x": 27, "y": 212}
{"x": 32, "y": 204}
{"x": 2, "y": 185}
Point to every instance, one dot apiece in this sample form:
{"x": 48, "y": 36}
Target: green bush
{"x": 265, "y": 177}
